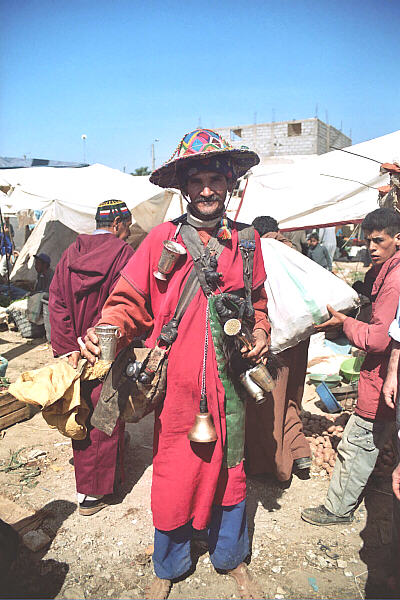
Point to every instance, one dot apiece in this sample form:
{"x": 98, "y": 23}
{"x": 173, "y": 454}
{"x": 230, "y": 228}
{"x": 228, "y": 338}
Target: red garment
{"x": 87, "y": 272}
{"x": 135, "y": 319}
{"x": 187, "y": 478}
{"x": 374, "y": 339}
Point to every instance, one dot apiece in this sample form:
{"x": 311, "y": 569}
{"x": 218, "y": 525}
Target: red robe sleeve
{"x": 373, "y": 336}
{"x": 128, "y": 310}
{"x": 260, "y": 302}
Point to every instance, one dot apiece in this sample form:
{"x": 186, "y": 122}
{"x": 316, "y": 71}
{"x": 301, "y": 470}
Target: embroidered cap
{"x": 109, "y": 209}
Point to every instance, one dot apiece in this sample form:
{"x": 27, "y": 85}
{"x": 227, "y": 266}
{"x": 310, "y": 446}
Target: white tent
{"x": 326, "y": 190}
{"x": 69, "y": 197}
{"x": 74, "y": 193}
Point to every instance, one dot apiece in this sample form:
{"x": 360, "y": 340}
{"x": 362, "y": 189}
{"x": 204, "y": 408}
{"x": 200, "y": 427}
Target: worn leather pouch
{"x": 131, "y": 400}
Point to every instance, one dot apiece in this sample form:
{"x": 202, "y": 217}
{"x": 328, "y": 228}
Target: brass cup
{"x": 261, "y": 376}
{"x": 169, "y": 256}
{"x": 203, "y": 430}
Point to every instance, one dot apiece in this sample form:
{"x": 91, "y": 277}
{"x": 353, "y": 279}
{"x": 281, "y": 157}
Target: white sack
{"x": 298, "y": 291}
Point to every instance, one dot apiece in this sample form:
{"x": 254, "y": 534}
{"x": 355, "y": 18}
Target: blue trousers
{"x": 228, "y": 543}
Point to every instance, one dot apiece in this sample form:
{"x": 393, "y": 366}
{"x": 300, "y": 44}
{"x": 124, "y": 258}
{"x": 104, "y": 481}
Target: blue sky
{"x": 126, "y": 73}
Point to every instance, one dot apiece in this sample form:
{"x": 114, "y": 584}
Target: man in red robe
{"x": 195, "y": 485}
{"x": 86, "y": 274}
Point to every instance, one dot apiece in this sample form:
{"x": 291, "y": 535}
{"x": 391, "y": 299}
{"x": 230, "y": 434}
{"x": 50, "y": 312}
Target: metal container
{"x": 169, "y": 256}
{"x": 108, "y": 336}
{"x": 262, "y": 377}
{"x": 252, "y": 388}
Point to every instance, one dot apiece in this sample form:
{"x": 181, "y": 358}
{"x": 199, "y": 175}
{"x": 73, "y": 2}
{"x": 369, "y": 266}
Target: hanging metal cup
{"x": 169, "y": 256}
{"x": 262, "y": 377}
{"x": 254, "y": 390}
{"x": 108, "y": 336}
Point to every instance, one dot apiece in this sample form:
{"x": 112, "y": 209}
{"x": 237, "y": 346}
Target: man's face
{"x": 121, "y": 228}
{"x": 381, "y": 245}
{"x": 207, "y": 192}
{"x": 40, "y": 266}
{"x": 312, "y": 242}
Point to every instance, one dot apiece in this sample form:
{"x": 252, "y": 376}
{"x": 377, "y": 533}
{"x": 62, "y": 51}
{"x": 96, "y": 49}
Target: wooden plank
{"x": 12, "y": 406}
{"x": 5, "y": 398}
{"x": 14, "y": 417}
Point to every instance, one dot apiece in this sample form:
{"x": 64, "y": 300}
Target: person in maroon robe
{"x": 195, "y": 485}
{"x": 84, "y": 278}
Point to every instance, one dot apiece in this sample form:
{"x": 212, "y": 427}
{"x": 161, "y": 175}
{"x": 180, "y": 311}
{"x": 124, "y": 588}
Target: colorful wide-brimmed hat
{"x": 204, "y": 145}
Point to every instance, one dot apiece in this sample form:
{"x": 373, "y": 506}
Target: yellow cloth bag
{"x": 56, "y": 389}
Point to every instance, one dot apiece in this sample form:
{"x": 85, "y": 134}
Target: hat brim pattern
{"x": 166, "y": 176}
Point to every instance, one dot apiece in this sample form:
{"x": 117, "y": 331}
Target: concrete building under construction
{"x": 306, "y": 136}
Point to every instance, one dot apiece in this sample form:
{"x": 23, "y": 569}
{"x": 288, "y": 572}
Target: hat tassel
{"x": 224, "y": 233}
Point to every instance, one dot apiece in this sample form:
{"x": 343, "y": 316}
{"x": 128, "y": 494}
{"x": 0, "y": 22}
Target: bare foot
{"x": 248, "y": 589}
{"x": 159, "y": 589}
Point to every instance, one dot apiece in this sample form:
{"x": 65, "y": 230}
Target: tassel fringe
{"x": 224, "y": 233}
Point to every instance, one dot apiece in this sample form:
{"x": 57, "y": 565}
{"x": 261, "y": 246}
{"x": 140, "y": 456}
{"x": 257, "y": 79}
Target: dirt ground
{"x": 108, "y": 555}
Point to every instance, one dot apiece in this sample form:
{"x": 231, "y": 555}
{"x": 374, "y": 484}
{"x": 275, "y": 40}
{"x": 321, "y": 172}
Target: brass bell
{"x": 203, "y": 429}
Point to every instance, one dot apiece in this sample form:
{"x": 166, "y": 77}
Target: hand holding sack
{"x": 298, "y": 291}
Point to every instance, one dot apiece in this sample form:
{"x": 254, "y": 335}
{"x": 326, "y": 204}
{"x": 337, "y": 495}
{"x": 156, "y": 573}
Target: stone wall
{"x": 307, "y": 136}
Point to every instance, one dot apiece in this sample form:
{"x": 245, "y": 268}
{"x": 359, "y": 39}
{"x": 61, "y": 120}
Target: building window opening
{"x": 293, "y": 129}
{"x": 236, "y": 134}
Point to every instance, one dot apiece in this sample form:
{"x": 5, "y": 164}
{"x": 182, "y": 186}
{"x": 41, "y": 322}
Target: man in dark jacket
{"x": 84, "y": 278}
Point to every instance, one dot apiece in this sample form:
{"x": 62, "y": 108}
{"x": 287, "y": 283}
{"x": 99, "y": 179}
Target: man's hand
{"x": 260, "y": 347}
{"x": 396, "y": 482}
{"x": 389, "y": 389}
{"x": 337, "y": 319}
{"x": 91, "y": 350}
{"x": 74, "y": 358}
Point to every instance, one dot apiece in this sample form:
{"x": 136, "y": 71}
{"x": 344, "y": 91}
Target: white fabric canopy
{"x": 75, "y": 193}
{"x": 317, "y": 192}
{"x": 69, "y": 198}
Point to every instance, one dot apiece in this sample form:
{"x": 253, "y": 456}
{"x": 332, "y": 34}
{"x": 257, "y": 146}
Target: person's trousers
{"x": 357, "y": 454}
{"x": 228, "y": 543}
{"x": 395, "y": 554}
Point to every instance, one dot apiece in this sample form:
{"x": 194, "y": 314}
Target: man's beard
{"x": 209, "y": 199}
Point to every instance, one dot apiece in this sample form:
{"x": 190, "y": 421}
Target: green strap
{"x": 235, "y": 408}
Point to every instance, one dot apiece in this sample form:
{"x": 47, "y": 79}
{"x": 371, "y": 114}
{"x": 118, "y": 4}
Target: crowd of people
{"x": 218, "y": 277}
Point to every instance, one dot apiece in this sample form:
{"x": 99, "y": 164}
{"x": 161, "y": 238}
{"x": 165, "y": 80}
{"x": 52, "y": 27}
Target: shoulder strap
{"x": 196, "y": 279}
{"x": 200, "y": 254}
{"x": 247, "y": 246}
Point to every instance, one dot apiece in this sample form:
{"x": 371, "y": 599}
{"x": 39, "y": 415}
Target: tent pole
{"x": 241, "y": 200}
{"x": 354, "y": 154}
